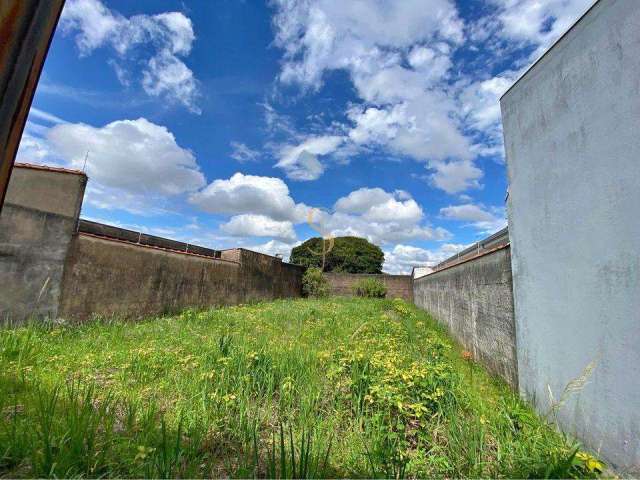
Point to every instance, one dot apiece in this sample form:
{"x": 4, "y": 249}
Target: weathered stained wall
{"x": 398, "y": 286}
{"x": 474, "y": 300}
{"x": 36, "y": 225}
{"x": 114, "y": 278}
{"x": 48, "y": 269}
{"x": 264, "y": 277}
{"x": 572, "y": 139}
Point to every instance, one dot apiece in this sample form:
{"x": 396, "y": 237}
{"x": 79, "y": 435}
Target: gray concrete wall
{"x": 113, "y": 278}
{"x": 263, "y": 277}
{"x": 474, "y": 300}
{"x": 572, "y": 138}
{"x": 398, "y": 286}
{"x": 49, "y": 270}
{"x": 36, "y": 225}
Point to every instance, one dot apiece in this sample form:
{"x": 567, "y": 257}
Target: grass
{"x": 289, "y": 389}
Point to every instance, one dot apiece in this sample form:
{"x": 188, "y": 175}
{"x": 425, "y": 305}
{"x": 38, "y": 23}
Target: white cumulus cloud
{"x": 376, "y": 205}
{"x": 539, "y": 22}
{"x": 249, "y": 194}
{"x": 398, "y": 57}
{"x": 167, "y": 36}
{"x": 380, "y": 216}
{"x": 301, "y": 161}
{"x": 456, "y": 176}
{"x": 135, "y": 155}
{"x": 249, "y": 225}
{"x": 133, "y": 165}
{"x": 486, "y": 221}
{"x": 402, "y": 258}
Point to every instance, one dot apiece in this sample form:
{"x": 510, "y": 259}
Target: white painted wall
{"x": 572, "y": 139}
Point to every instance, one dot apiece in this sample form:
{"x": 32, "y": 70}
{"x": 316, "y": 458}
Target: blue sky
{"x": 224, "y": 123}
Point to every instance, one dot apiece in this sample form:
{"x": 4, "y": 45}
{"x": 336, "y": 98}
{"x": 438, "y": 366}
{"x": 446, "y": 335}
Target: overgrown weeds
{"x": 289, "y": 389}
{"x": 370, "y": 288}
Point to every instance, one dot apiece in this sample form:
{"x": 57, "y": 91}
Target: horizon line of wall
{"x": 55, "y": 265}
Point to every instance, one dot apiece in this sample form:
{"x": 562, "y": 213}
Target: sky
{"x": 230, "y": 123}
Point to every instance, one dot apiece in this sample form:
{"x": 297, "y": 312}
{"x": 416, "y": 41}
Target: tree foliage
{"x": 349, "y": 254}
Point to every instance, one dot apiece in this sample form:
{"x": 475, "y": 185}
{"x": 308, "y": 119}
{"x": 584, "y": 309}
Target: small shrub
{"x": 370, "y": 288}
{"x": 314, "y": 283}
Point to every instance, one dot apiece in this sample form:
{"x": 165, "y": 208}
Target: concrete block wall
{"x": 398, "y": 286}
{"x": 264, "y": 277}
{"x": 48, "y": 269}
{"x": 36, "y": 226}
{"x": 572, "y": 140}
{"x": 113, "y": 278}
{"x": 474, "y": 300}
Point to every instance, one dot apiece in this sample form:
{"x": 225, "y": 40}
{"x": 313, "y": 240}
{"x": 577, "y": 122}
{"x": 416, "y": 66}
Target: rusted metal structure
{"x": 26, "y": 29}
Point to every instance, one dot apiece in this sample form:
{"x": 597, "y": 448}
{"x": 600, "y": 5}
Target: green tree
{"x": 349, "y": 254}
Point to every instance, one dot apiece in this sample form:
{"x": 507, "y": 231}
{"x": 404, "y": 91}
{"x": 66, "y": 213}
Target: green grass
{"x": 302, "y": 388}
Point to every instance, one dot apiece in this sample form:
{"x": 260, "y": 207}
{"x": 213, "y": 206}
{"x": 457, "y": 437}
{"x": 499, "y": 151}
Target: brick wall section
{"x": 474, "y": 299}
{"x": 398, "y": 286}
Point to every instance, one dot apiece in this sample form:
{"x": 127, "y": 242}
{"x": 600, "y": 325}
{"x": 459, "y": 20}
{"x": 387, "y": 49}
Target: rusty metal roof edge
{"x": 47, "y": 168}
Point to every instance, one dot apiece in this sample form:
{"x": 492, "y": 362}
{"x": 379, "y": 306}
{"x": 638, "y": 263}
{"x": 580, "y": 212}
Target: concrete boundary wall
{"x": 474, "y": 300}
{"x": 398, "y": 286}
{"x": 36, "y": 225}
{"x": 49, "y": 269}
{"x": 115, "y": 278}
{"x": 572, "y": 141}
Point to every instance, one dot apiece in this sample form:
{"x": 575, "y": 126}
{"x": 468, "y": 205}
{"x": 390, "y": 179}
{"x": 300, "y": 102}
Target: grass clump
{"x": 293, "y": 388}
{"x": 370, "y": 288}
{"x": 314, "y": 283}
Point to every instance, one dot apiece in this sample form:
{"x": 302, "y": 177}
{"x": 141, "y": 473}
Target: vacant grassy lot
{"x": 304, "y": 388}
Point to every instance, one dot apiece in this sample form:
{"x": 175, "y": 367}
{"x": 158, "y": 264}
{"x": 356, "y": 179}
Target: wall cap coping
{"x": 465, "y": 260}
{"x": 260, "y": 253}
{"x": 368, "y": 274}
{"x": 46, "y": 168}
{"x": 179, "y": 252}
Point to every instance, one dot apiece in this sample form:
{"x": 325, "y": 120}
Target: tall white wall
{"x": 572, "y": 139}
